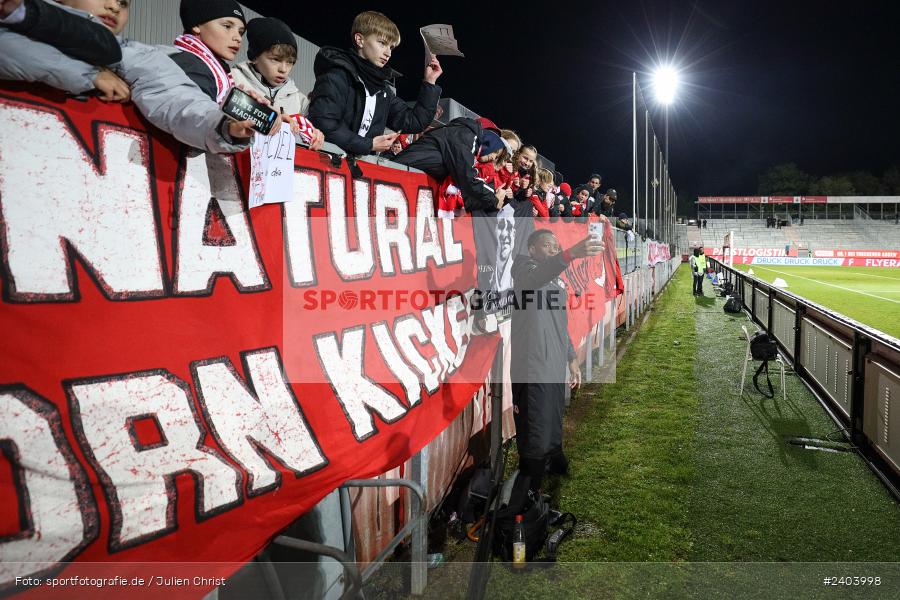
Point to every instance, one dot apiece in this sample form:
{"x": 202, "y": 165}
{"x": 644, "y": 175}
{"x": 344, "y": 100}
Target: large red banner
{"x": 181, "y": 377}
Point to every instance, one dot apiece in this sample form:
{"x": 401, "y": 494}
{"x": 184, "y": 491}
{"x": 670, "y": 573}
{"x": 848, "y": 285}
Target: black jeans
{"x": 698, "y": 283}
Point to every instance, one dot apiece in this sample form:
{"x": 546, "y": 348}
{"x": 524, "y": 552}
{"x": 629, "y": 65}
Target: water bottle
{"x": 518, "y": 547}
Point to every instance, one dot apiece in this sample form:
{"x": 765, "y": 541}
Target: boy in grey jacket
{"x": 161, "y": 91}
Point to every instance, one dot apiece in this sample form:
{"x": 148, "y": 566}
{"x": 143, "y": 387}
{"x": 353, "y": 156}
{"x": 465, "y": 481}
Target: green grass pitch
{"x": 869, "y": 295}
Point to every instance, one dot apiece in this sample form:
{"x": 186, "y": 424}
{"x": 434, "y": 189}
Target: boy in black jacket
{"x": 352, "y": 102}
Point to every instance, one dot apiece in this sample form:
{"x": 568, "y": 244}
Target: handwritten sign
{"x": 439, "y": 40}
{"x": 272, "y": 167}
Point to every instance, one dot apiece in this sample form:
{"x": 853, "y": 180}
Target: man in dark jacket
{"x": 607, "y": 204}
{"x": 542, "y": 352}
{"x": 352, "y": 102}
{"x": 450, "y": 151}
{"x": 593, "y": 184}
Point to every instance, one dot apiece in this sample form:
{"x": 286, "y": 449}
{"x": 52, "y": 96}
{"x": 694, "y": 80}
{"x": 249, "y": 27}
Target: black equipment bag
{"x": 732, "y": 305}
{"x": 473, "y": 500}
{"x": 728, "y": 287}
{"x": 535, "y": 513}
{"x": 763, "y": 348}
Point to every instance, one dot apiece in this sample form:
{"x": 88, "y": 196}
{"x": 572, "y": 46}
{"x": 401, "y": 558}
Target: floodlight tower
{"x": 665, "y": 85}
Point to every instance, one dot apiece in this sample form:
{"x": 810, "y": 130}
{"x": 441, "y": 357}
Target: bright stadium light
{"x": 665, "y": 84}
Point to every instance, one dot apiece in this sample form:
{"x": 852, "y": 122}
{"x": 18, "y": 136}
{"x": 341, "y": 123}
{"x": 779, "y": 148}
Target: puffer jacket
{"x": 285, "y": 98}
{"x": 160, "y": 90}
{"x": 338, "y": 100}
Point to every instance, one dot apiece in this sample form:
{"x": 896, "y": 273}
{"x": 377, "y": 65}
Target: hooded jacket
{"x": 287, "y": 97}
{"x": 160, "y": 90}
{"x": 338, "y": 101}
{"x": 450, "y": 151}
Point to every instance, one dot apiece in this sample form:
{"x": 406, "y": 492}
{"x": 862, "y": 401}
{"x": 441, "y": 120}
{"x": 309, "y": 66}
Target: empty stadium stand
{"x": 849, "y": 234}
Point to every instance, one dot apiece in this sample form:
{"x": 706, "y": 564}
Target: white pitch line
{"x": 874, "y": 275}
{"x": 840, "y": 287}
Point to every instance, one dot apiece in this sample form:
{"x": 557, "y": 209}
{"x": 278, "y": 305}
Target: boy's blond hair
{"x": 370, "y": 22}
{"x": 545, "y": 176}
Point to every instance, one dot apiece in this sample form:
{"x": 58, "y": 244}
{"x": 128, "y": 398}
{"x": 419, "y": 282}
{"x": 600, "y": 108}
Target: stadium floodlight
{"x": 665, "y": 84}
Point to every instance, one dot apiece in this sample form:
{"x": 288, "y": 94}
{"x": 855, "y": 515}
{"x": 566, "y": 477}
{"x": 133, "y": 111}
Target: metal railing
{"x": 852, "y": 369}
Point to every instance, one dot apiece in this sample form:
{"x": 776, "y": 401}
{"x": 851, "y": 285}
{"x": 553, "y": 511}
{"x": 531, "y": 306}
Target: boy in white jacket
{"x": 272, "y": 53}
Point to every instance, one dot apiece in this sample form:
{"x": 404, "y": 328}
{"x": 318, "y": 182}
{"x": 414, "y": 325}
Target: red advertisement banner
{"x": 181, "y": 377}
{"x": 762, "y": 199}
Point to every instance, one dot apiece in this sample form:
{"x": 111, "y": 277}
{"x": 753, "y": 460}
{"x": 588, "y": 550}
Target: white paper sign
{"x": 439, "y": 40}
{"x": 272, "y": 167}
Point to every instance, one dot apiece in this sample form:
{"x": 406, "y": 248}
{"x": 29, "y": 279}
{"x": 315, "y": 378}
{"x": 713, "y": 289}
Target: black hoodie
{"x": 338, "y": 101}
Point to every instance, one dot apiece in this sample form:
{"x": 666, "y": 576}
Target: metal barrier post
{"x": 600, "y": 346}
{"x": 497, "y": 406}
{"x": 861, "y": 347}
{"x": 589, "y": 362}
{"x": 419, "y": 539}
{"x": 612, "y": 325}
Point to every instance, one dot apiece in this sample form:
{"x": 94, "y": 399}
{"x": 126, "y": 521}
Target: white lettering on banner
{"x": 349, "y": 264}
{"x": 460, "y": 329}
{"x": 857, "y": 253}
{"x": 358, "y": 395}
{"x": 297, "y": 231}
{"x": 453, "y": 249}
{"x": 258, "y": 421}
{"x": 57, "y": 509}
{"x": 211, "y": 178}
{"x": 139, "y": 477}
{"x": 391, "y": 226}
{"x": 795, "y": 261}
{"x": 405, "y": 328}
{"x": 391, "y": 355}
{"x": 434, "y": 321}
{"x": 59, "y": 203}
{"x": 272, "y": 167}
{"x": 882, "y": 262}
{"x": 427, "y": 242}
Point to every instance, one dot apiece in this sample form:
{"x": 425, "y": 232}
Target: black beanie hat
{"x": 198, "y": 12}
{"x": 263, "y": 33}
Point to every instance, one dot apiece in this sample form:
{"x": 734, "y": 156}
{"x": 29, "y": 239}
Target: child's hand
{"x": 241, "y": 129}
{"x": 500, "y": 194}
{"x": 433, "y": 70}
{"x": 317, "y": 141}
{"x": 8, "y": 6}
{"x": 111, "y": 87}
{"x": 383, "y": 142}
{"x": 276, "y": 125}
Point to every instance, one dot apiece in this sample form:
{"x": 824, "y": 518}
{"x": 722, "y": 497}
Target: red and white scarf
{"x": 306, "y": 127}
{"x": 194, "y": 45}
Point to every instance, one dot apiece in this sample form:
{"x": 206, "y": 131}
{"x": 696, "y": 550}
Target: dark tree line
{"x": 789, "y": 180}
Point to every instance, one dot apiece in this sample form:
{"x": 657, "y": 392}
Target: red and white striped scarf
{"x": 194, "y": 45}
{"x": 306, "y": 127}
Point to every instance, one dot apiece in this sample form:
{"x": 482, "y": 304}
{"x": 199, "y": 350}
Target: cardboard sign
{"x": 439, "y": 40}
{"x": 272, "y": 167}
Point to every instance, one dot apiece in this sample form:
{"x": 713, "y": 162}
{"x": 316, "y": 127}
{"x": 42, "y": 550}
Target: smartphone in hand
{"x": 241, "y": 106}
{"x": 595, "y": 230}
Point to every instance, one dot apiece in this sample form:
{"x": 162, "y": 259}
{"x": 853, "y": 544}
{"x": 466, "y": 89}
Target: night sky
{"x": 816, "y": 83}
